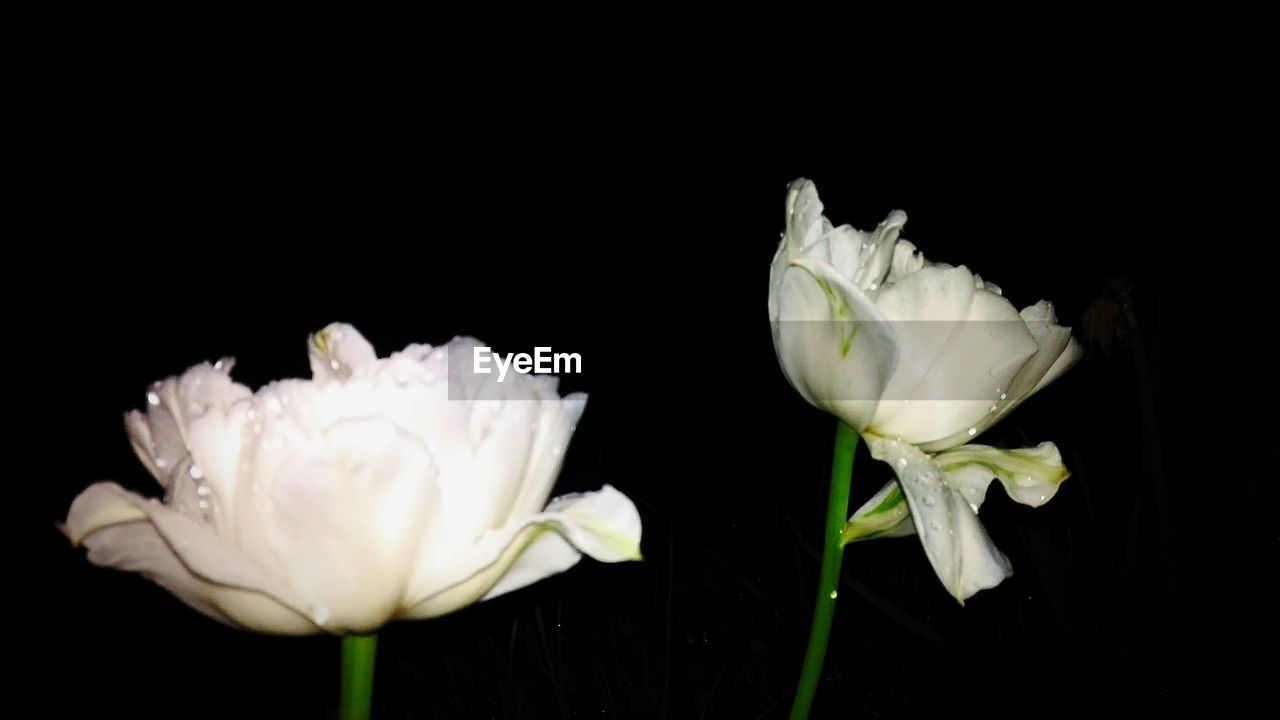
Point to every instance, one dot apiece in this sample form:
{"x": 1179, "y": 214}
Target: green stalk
{"x": 357, "y": 676}
{"x": 832, "y": 553}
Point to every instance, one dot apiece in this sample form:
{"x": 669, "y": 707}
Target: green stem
{"x": 832, "y": 553}
{"x": 357, "y": 676}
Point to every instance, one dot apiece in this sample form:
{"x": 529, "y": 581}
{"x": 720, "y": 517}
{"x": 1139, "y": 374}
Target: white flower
{"x": 920, "y": 358}
{"x": 365, "y": 494}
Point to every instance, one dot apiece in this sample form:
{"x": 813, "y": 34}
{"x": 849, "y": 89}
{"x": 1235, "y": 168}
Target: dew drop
{"x": 162, "y": 463}
{"x": 203, "y": 491}
{"x": 1003, "y": 396}
{"x": 834, "y": 594}
{"x": 153, "y": 398}
{"x": 273, "y": 405}
{"x": 935, "y": 526}
{"x": 202, "y": 504}
{"x": 196, "y": 472}
{"x": 902, "y": 462}
{"x": 930, "y": 500}
{"x": 320, "y": 615}
{"x": 1025, "y": 481}
{"x": 973, "y": 431}
{"x": 993, "y": 408}
{"x": 252, "y": 413}
{"x": 333, "y": 363}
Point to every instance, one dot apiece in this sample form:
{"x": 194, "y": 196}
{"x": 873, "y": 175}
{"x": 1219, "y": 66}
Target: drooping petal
{"x": 1030, "y": 476}
{"x": 962, "y": 555}
{"x": 125, "y": 531}
{"x": 885, "y": 515}
{"x": 603, "y": 524}
{"x": 832, "y": 342}
{"x": 338, "y": 351}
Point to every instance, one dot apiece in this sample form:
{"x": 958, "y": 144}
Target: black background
{"x": 179, "y": 226}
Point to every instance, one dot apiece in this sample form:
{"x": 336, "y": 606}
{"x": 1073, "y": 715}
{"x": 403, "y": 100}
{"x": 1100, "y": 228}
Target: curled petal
{"x": 603, "y": 524}
{"x": 1030, "y": 476}
{"x": 884, "y": 515}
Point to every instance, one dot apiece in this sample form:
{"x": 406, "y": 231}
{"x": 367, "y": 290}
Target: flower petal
{"x": 343, "y": 520}
{"x": 958, "y": 346}
{"x": 161, "y": 435}
{"x": 1030, "y": 476}
{"x": 1056, "y": 351}
{"x": 962, "y": 555}
{"x": 338, "y": 351}
{"x": 832, "y": 342}
{"x": 603, "y": 524}
{"x": 885, "y": 515}
{"x": 125, "y": 531}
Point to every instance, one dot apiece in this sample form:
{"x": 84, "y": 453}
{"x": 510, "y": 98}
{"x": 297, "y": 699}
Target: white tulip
{"x": 363, "y": 495}
{"x": 920, "y": 358}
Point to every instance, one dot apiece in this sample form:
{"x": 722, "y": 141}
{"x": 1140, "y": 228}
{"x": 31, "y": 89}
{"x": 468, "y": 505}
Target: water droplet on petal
{"x": 333, "y": 363}
{"x": 902, "y": 462}
{"x": 1003, "y": 396}
{"x": 273, "y": 405}
{"x": 153, "y": 398}
{"x": 973, "y": 431}
{"x": 196, "y": 472}
{"x": 320, "y": 615}
{"x": 162, "y": 463}
{"x": 935, "y": 526}
{"x": 930, "y": 500}
{"x": 203, "y": 491}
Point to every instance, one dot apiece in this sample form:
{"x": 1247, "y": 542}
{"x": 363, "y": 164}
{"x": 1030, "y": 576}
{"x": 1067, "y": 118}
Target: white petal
{"x": 832, "y": 342}
{"x": 338, "y": 351}
{"x": 603, "y": 524}
{"x": 906, "y": 260}
{"x": 1056, "y": 351}
{"x": 343, "y": 520}
{"x": 1030, "y": 476}
{"x": 805, "y": 223}
{"x": 161, "y": 435}
{"x": 877, "y": 253}
{"x": 962, "y": 555}
{"x": 958, "y": 346}
{"x": 125, "y": 531}
{"x": 885, "y": 515}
